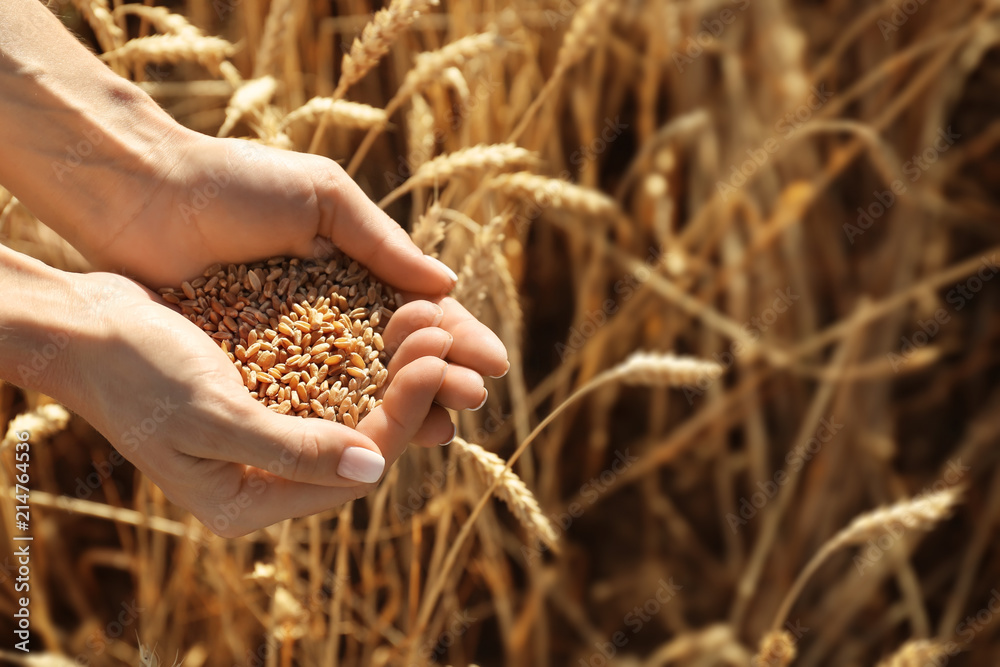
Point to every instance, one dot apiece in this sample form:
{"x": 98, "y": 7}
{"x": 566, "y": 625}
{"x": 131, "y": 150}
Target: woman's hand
{"x": 170, "y": 401}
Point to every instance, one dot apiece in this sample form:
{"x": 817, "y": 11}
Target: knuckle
{"x": 306, "y": 456}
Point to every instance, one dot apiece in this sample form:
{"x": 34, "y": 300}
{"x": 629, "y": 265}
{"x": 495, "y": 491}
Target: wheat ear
{"x": 163, "y": 20}
{"x": 368, "y": 49}
{"x": 343, "y": 113}
{"x": 272, "y": 43}
{"x": 209, "y": 51}
{"x": 922, "y": 512}
{"x": 915, "y": 653}
{"x": 109, "y": 34}
{"x": 42, "y": 422}
{"x": 509, "y": 488}
{"x": 545, "y": 192}
{"x": 427, "y": 68}
{"x": 465, "y": 162}
{"x": 777, "y": 649}
{"x": 610, "y": 376}
{"x": 250, "y": 97}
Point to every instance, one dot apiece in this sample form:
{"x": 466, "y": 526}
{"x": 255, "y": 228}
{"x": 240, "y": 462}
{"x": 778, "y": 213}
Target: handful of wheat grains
{"x": 305, "y": 334}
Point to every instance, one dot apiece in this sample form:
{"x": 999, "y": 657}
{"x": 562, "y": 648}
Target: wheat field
{"x": 741, "y": 253}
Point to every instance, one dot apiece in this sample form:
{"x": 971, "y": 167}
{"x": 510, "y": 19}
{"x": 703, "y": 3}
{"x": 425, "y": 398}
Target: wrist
{"x": 43, "y": 321}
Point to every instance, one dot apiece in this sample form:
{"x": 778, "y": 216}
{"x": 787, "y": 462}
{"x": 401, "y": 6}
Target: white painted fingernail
{"x": 485, "y": 398}
{"x": 361, "y": 465}
{"x": 444, "y": 267}
{"x": 454, "y": 432}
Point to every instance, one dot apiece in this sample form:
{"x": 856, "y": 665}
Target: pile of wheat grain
{"x": 305, "y": 334}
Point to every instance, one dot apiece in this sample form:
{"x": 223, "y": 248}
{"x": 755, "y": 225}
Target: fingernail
{"x": 444, "y": 267}
{"x": 504, "y": 374}
{"x": 439, "y": 317}
{"x": 447, "y": 346}
{"x": 360, "y": 465}
{"x": 454, "y": 432}
{"x": 485, "y": 398}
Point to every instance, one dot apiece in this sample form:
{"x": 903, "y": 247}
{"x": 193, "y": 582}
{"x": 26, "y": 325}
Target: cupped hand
{"x": 170, "y": 401}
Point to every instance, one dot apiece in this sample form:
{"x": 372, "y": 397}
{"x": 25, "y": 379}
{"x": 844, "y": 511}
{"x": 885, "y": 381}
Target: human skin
{"x": 98, "y": 161}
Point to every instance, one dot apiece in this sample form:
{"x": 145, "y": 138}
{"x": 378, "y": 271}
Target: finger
{"x": 475, "y": 347}
{"x": 463, "y": 389}
{"x": 405, "y": 406}
{"x": 437, "y": 429}
{"x": 428, "y": 342}
{"x": 314, "y": 451}
{"x": 410, "y": 317}
{"x": 364, "y": 231}
{"x": 270, "y": 499}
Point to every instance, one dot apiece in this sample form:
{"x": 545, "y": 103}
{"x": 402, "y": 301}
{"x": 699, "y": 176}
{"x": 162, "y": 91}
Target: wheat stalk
{"x": 277, "y": 27}
{"x": 342, "y": 113}
{"x": 428, "y": 67}
{"x": 464, "y": 162}
{"x": 509, "y": 488}
{"x": 546, "y": 192}
{"x": 248, "y": 98}
{"x": 208, "y": 51}
{"x": 607, "y": 377}
{"x": 915, "y": 653}
{"x": 922, "y": 512}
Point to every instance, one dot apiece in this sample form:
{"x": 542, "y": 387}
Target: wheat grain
{"x": 305, "y": 335}
{"x": 511, "y": 489}
{"x": 916, "y": 653}
{"x": 550, "y": 192}
{"x": 208, "y": 51}
{"x": 465, "y": 162}
{"x": 376, "y": 38}
{"x": 248, "y": 98}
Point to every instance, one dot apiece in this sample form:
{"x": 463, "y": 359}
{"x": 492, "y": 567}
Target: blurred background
{"x": 805, "y": 193}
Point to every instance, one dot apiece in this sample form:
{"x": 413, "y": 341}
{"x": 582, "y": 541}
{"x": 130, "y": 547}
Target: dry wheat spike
{"x": 916, "y": 653}
{"x": 777, "y": 649}
{"x": 250, "y": 97}
{"x": 656, "y": 369}
{"x": 345, "y": 114}
{"x": 109, "y": 34}
{"x": 42, "y": 422}
{"x": 163, "y": 20}
{"x": 376, "y": 38}
{"x": 511, "y": 489}
{"x": 545, "y": 192}
{"x": 463, "y": 162}
{"x": 277, "y": 28}
{"x": 209, "y": 51}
